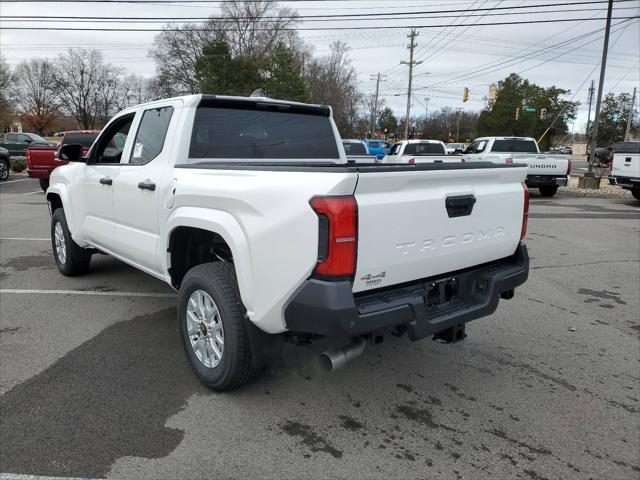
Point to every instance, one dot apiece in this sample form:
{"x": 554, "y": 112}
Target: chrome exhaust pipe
{"x": 336, "y": 358}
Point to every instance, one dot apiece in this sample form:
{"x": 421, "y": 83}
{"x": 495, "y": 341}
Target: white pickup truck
{"x": 419, "y": 151}
{"x": 249, "y": 209}
{"x": 625, "y": 168}
{"x": 545, "y": 172}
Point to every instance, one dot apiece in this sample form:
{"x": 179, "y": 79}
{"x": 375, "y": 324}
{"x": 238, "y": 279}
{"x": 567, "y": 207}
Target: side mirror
{"x": 71, "y": 153}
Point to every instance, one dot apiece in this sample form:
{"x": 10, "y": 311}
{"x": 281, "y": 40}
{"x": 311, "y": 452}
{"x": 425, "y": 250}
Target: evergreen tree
{"x": 284, "y": 76}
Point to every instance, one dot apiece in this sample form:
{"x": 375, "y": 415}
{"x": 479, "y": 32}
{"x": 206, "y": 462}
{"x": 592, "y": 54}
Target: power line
{"x": 371, "y": 27}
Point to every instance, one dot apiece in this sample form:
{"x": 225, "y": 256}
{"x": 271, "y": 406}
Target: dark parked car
{"x": 18, "y": 142}
{"x": 4, "y": 164}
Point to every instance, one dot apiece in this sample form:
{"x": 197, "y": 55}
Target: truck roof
{"x": 195, "y": 100}
{"x": 506, "y": 138}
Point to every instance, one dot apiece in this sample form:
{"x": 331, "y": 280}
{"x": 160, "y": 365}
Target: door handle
{"x": 147, "y": 185}
{"x": 460, "y": 206}
{"x": 106, "y": 181}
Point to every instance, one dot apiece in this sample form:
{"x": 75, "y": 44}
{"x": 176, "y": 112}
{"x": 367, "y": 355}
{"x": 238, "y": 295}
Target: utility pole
{"x": 426, "y": 108}
{"x": 603, "y": 67}
{"x": 374, "y": 113}
{"x": 412, "y": 36}
{"x": 632, "y": 107}
{"x": 592, "y": 90}
{"x": 458, "y": 127}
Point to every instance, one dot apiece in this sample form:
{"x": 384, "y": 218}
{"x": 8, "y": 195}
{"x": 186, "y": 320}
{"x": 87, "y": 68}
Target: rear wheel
{"x": 4, "y": 169}
{"x": 70, "y": 258}
{"x": 636, "y": 193}
{"x": 44, "y": 184}
{"x": 212, "y": 324}
{"x": 548, "y": 190}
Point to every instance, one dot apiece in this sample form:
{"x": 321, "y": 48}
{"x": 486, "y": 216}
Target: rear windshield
{"x": 248, "y": 134}
{"x": 514, "y": 145}
{"x": 626, "y": 147}
{"x": 353, "y": 148}
{"x": 84, "y": 139}
{"x": 424, "y": 149}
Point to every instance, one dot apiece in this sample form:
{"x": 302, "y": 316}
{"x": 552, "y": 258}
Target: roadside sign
{"x": 529, "y": 109}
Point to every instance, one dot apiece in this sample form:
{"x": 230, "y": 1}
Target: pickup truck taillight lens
{"x": 525, "y": 212}
{"x": 28, "y": 155}
{"x": 510, "y": 161}
{"x": 338, "y": 235}
{"x": 569, "y": 168}
{"x": 412, "y": 161}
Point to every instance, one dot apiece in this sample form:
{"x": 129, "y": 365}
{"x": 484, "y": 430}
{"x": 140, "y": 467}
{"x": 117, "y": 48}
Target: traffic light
{"x": 465, "y": 95}
{"x": 543, "y": 113}
{"x": 517, "y": 113}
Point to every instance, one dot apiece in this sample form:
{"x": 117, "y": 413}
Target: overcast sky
{"x": 453, "y": 58}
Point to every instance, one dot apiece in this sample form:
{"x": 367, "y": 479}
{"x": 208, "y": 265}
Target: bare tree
{"x": 332, "y": 80}
{"x": 250, "y": 28}
{"x": 134, "y": 90}
{"x": 35, "y": 94}
{"x": 6, "y": 85}
{"x": 79, "y": 78}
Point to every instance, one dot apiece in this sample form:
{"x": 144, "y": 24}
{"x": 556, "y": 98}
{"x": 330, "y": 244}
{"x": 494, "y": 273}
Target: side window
{"x": 395, "y": 149}
{"x": 151, "y": 134}
{"x": 110, "y": 144}
{"x": 481, "y": 146}
{"x": 23, "y": 139}
{"x": 11, "y": 138}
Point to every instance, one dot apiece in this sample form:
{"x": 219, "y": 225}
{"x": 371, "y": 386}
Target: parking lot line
{"x": 87, "y": 292}
{"x": 16, "y": 476}
{"x": 32, "y": 193}
{"x": 26, "y": 239}
{"x": 14, "y": 181}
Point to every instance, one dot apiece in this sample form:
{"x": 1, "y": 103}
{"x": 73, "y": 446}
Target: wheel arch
{"x": 190, "y": 227}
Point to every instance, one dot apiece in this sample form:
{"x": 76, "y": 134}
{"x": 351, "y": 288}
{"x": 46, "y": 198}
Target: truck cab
{"x": 625, "y": 169}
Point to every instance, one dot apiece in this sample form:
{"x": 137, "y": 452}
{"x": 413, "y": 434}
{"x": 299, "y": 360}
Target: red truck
{"x": 42, "y": 160}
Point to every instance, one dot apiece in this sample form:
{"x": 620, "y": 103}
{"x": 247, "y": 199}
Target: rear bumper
{"x": 624, "y": 182}
{"x": 546, "y": 180}
{"x": 39, "y": 173}
{"x": 332, "y": 309}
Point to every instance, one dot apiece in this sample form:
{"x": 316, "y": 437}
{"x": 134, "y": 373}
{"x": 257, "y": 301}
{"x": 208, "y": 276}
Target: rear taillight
{"x": 510, "y": 161}
{"x": 569, "y": 167}
{"x": 338, "y": 235}
{"x": 28, "y": 155}
{"x": 525, "y": 212}
{"x": 412, "y": 161}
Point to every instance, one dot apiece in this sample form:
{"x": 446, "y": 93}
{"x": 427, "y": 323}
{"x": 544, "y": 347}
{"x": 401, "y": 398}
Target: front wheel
{"x": 4, "y": 169}
{"x": 212, "y": 324}
{"x": 636, "y": 193}
{"x": 44, "y": 184}
{"x": 70, "y": 258}
{"x": 549, "y": 190}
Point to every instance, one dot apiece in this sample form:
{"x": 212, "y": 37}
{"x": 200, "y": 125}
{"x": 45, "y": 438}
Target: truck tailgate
{"x": 626, "y": 164}
{"x": 544, "y": 164}
{"x": 405, "y": 231}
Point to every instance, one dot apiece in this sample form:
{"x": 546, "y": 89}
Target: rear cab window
{"x": 422, "y": 149}
{"x": 84, "y": 139}
{"x": 514, "y": 145}
{"x": 354, "y": 148}
{"x": 255, "y": 131}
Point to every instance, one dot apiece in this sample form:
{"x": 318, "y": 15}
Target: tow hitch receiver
{"x": 451, "y": 335}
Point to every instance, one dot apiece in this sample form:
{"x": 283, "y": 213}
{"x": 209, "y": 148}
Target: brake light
{"x": 28, "y": 155}
{"x": 338, "y": 235}
{"x": 525, "y": 212}
{"x": 569, "y": 167}
{"x": 510, "y": 161}
{"x": 412, "y": 161}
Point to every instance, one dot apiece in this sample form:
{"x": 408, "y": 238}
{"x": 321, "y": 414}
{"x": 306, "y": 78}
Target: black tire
{"x": 636, "y": 193}
{"x": 44, "y": 184}
{"x": 4, "y": 169}
{"x": 77, "y": 259}
{"x": 548, "y": 190}
{"x": 236, "y": 366}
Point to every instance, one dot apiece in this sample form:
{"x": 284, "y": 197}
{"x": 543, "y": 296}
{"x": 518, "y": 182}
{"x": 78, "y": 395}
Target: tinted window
{"x": 259, "y": 134}
{"x": 514, "y": 145}
{"x": 374, "y": 144}
{"x": 11, "y": 138}
{"x": 626, "y": 147}
{"x": 110, "y": 144}
{"x": 395, "y": 149}
{"x": 353, "y": 148}
{"x": 424, "y": 149}
{"x": 151, "y": 134}
{"x": 35, "y": 138}
{"x": 84, "y": 139}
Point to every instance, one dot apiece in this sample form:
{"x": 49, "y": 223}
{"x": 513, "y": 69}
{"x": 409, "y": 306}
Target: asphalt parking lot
{"x": 94, "y": 382}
